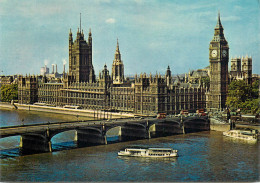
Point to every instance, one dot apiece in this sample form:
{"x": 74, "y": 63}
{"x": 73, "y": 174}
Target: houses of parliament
{"x": 142, "y": 94}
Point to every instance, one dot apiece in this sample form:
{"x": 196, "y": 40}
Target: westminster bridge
{"x": 37, "y": 137}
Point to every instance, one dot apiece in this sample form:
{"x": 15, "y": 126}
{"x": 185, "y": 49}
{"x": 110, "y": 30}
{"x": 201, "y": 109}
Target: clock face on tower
{"x": 224, "y": 53}
{"x": 214, "y": 53}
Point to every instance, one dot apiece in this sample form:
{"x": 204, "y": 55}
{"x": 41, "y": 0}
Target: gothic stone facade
{"x": 27, "y": 89}
{"x": 143, "y": 95}
{"x": 218, "y": 59}
{"x": 241, "y": 70}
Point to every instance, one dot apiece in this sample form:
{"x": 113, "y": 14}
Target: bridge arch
{"x": 169, "y": 126}
{"x": 133, "y": 131}
{"x": 114, "y": 130}
{"x": 63, "y": 136}
{"x": 196, "y": 124}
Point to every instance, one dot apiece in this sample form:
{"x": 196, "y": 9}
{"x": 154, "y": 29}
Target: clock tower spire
{"x": 218, "y": 59}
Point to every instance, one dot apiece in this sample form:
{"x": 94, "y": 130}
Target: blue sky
{"x": 152, "y": 33}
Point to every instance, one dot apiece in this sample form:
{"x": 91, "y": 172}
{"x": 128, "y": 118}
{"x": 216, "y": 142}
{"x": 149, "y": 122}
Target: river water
{"x": 203, "y": 157}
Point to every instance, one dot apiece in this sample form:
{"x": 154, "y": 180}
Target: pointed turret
{"x": 70, "y": 37}
{"x": 168, "y": 71}
{"x": 219, "y": 25}
{"x": 219, "y": 31}
{"x": 80, "y": 23}
{"x": 117, "y": 54}
{"x": 168, "y": 76}
{"x": 90, "y": 37}
{"x": 104, "y": 77}
{"x": 82, "y": 34}
{"x": 118, "y": 67}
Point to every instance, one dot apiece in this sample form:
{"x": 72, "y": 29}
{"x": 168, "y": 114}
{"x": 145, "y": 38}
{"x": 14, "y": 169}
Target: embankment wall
{"x": 59, "y": 110}
{"x": 217, "y": 125}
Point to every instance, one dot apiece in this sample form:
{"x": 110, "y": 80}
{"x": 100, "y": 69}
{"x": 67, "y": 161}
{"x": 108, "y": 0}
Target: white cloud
{"x": 64, "y": 61}
{"x": 230, "y": 18}
{"x": 46, "y": 62}
{"x": 139, "y": 1}
{"x": 110, "y": 20}
{"x": 102, "y": 1}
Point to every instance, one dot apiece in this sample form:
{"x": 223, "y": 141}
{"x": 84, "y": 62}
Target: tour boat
{"x": 240, "y": 134}
{"x": 150, "y": 152}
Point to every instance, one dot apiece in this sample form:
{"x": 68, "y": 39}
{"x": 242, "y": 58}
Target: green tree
{"x": 9, "y": 92}
{"x": 243, "y": 96}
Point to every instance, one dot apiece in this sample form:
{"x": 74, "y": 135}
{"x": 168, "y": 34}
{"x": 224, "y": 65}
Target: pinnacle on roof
{"x": 219, "y": 25}
{"x": 117, "y": 46}
{"x": 80, "y": 22}
{"x": 117, "y": 54}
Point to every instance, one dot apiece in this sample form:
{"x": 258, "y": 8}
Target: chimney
{"x": 52, "y": 68}
{"x": 56, "y": 71}
{"x": 64, "y": 68}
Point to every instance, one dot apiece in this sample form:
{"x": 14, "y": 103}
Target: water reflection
{"x": 9, "y": 153}
{"x": 236, "y": 140}
{"x": 203, "y": 157}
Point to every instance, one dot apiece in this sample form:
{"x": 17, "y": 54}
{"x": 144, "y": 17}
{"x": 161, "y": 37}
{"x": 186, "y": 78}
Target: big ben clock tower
{"x": 218, "y": 59}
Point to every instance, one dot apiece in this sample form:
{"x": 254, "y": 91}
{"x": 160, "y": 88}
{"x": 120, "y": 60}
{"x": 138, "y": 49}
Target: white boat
{"x": 242, "y": 134}
{"x": 150, "y": 152}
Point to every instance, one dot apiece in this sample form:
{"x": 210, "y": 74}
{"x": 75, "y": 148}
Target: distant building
{"x": 241, "y": 70}
{"x": 54, "y": 74}
{"x": 195, "y": 76}
{"x": 27, "y": 89}
{"x": 44, "y": 70}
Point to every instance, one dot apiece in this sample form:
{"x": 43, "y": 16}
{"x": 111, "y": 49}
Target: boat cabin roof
{"x": 153, "y": 149}
{"x": 160, "y": 148}
{"x": 135, "y": 149}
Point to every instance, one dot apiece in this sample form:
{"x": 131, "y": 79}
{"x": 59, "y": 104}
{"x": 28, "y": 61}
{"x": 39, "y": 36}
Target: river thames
{"x": 203, "y": 157}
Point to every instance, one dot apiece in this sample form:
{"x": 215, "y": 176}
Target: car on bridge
{"x": 161, "y": 115}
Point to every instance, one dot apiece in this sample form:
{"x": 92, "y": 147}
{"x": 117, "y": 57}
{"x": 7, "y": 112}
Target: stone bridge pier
{"x": 196, "y": 124}
{"x": 169, "y": 127}
{"x": 134, "y": 131}
{"x": 91, "y": 136}
{"x": 36, "y": 142}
